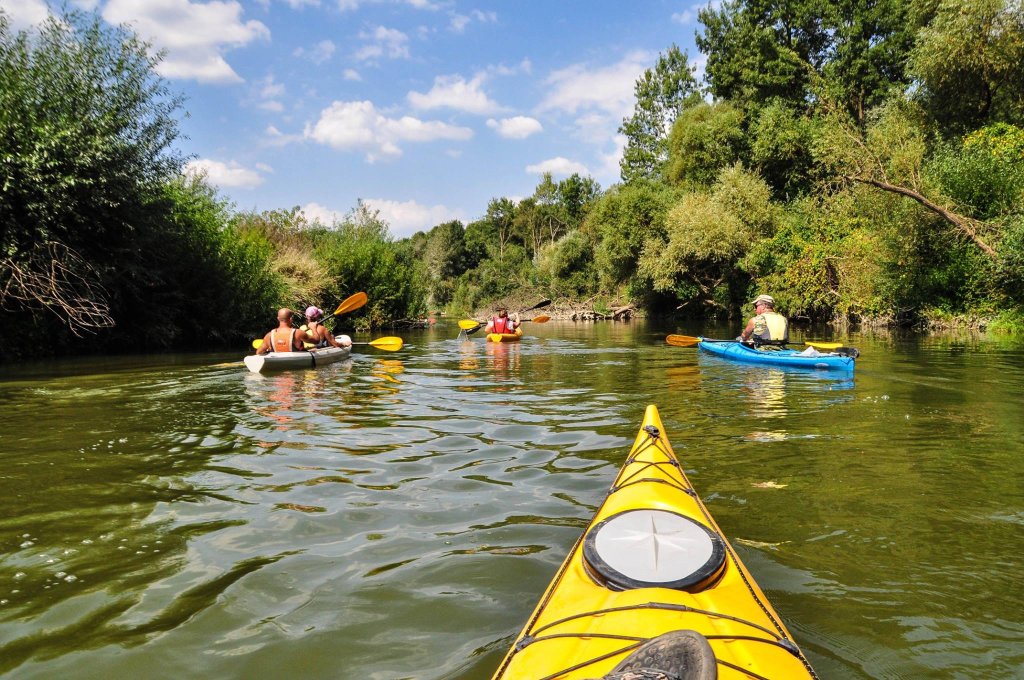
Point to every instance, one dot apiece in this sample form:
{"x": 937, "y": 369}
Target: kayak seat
{"x": 652, "y": 548}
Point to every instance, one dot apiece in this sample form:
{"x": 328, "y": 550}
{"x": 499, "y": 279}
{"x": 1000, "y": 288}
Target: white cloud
{"x": 558, "y": 166}
{"x": 455, "y": 92}
{"x": 224, "y": 174}
{"x": 318, "y": 53}
{"x": 516, "y": 127}
{"x": 352, "y": 74}
{"x": 404, "y": 218}
{"x": 26, "y": 13}
{"x": 194, "y": 35}
{"x": 322, "y": 214}
{"x": 383, "y": 41}
{"x": 296, "y": 4}
{"x": 608, "y": 88}
{"x": 359, "y": 125}
{"x": 407, "y": 217}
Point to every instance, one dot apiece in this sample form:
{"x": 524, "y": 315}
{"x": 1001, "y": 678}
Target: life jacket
{"x": 770, "y": 328}
{"x": 310, "y": 338}
{"x": 280, "y": 343}
{"x": 502, "y": 325}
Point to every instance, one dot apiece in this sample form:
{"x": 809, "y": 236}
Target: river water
{"x": 398, "y": 515}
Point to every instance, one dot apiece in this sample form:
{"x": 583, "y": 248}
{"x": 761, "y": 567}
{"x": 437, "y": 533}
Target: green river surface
{"x": 398, "y": 515}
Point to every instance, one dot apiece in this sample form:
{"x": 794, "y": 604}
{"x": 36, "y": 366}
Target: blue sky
{"x": 425, "y": 109}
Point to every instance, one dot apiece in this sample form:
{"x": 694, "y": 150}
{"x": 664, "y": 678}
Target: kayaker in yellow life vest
{"x": 317, "y": 335}
{"x": 768, "y": 327}
{"x": 284, "y": 338}
{"x": 502, "y": 322}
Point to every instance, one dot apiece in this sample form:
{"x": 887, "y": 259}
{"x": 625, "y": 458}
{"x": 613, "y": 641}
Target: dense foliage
{"x": 860, "y": 161}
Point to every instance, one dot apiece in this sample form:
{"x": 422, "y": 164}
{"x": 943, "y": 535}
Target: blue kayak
{"x": 737, "y": 351}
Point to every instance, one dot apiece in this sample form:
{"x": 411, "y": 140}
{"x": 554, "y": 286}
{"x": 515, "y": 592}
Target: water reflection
{"x": 504, "y": 359}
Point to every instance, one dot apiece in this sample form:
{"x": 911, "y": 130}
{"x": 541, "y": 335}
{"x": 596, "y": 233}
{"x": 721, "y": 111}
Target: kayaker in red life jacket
{"x": 284, "y": 338}
{"x": 767, "y": 327}
{"x": 317, "y": 333}
{"x": 502, "y": 322}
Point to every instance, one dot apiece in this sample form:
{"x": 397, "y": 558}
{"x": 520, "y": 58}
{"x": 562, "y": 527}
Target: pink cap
{"x": 313, "y": 312}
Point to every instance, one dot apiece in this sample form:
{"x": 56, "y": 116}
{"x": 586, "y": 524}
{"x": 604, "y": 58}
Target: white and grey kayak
{"x": 283, "y": 361}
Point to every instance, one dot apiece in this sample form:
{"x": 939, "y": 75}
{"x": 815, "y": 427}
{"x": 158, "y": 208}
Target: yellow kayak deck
{"x": 505, "y": 337}
{"x": 582, "y": 629}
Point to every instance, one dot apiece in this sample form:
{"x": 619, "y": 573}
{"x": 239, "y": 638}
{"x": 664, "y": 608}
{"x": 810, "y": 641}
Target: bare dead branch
{"x": 56, "y": 278}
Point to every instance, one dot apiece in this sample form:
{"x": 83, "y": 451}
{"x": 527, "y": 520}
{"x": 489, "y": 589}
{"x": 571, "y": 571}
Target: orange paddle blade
{"x": 682, "y": 340}
{"x": 543, "y": 318}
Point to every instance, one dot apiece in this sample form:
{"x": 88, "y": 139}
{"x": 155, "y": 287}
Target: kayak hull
{"x": 285, "y": 361}
{"x": 584, "y": 626}
{"x": 737, "y": 351}
{"x": 505, "y": 337}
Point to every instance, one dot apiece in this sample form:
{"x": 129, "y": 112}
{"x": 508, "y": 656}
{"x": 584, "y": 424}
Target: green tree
{"x": 759, "y": 50}
{"x": 621, "y": 222}
{"x": 706, "y": 237}
{"x": 86, "y": 127}
{"x": 576, "y": 194}
{"x": 705, "y": 139}
{"x": 661, "y": 94}
{"x": 969, "y": 63}
{"x": 445, "y": 260}
{"x": 501, "y": 213}
{"x": 850, "y": 52}
{"x": 780, "y": 148}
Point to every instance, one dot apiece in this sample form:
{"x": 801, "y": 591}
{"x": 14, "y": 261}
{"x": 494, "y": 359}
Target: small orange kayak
{"x": 506, "y": 337}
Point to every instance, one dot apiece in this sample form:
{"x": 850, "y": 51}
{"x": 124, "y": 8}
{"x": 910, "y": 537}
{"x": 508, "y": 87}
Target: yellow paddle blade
{"x": 543, "y": 318}
{"x": 466, "y": 324}
{"x": 257, "y": 343}
{"x": 351, "y": 303}
{"x": 390, "y": 343}
{"x": 824, "y": 345}
{"x": 682, "y": 340}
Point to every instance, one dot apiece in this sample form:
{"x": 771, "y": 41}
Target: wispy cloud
{"x": 458, "y": 22}
{"x": 558, "y": 166}
{"x": 318, "y": 53}
{"x": 268, "y": 93}
{"x": 230, "y": 174}
{"x": 383, "y": 42}
{"x": 516, "y": 127}
{"x": 351, "y": 74}
{"x": 195, "y": 36}
{"x": 455, "y": 92}
{"x": 359, "y": 125}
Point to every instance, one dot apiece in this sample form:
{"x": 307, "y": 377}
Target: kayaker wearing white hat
{"x": 768, "y": 327}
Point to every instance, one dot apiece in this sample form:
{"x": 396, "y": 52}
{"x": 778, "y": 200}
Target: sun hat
{"x": 767, "y": 299}
{"x": 313, "y": 312}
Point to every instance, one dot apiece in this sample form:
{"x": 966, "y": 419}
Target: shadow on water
{"x": 399, "y": 515}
